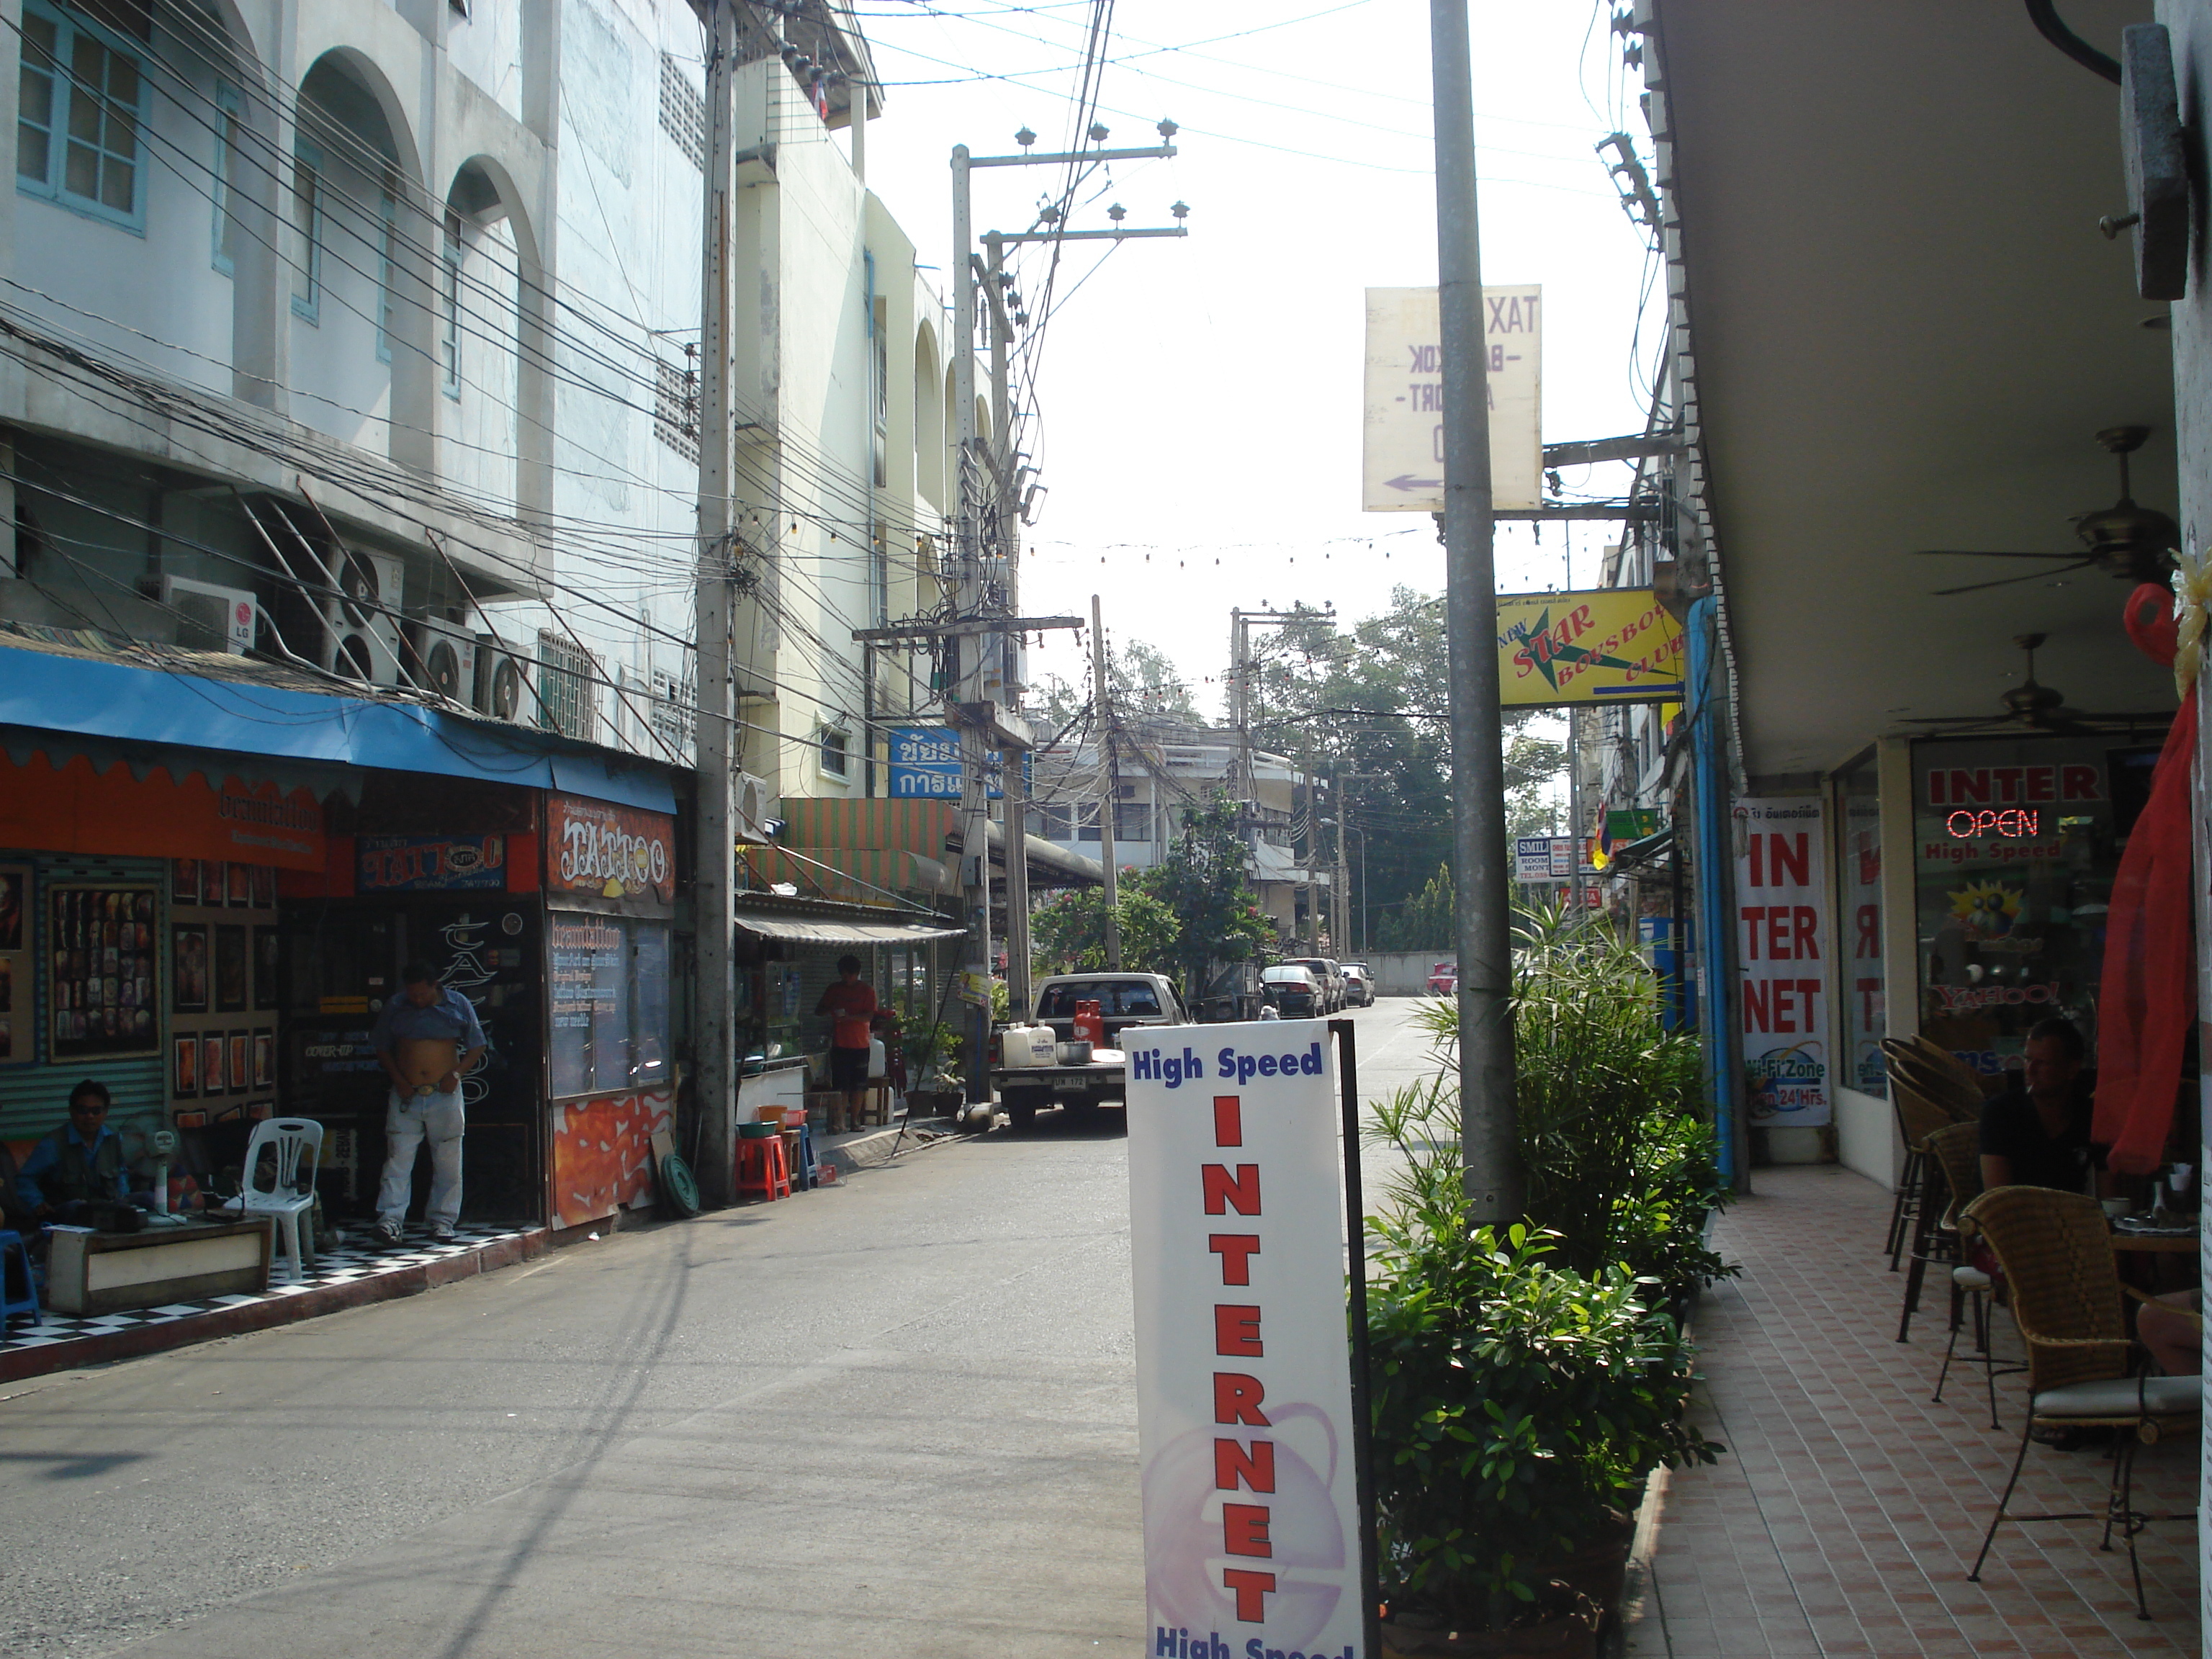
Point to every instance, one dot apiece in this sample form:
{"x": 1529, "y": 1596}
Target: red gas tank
{"x": 1090, "y": 1024}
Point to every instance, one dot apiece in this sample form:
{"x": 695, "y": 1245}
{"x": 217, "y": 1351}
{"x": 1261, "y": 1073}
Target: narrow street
{"x": 893, "y": 1417}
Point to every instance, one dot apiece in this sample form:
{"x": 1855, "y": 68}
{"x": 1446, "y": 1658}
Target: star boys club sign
{"x": 1243, "y": 1373}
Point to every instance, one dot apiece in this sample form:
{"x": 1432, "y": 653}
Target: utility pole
{"x": 1014, "y": 785}
{"x": 1489, "y": 1127}
{"x": 715, "y": 720}
{"x": 984, "y": 578}
{"x": 1102, "y": 702}
{"x": 1340, "y": 909}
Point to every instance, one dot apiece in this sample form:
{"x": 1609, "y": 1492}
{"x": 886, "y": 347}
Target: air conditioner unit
{"x": 444, "y": 660}
{"x": 210, "y": 617}
{"x": 363, "y": 640}
{"x": 504, "y": 681}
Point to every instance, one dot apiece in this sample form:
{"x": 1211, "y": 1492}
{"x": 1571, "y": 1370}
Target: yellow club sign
{"x": 1607, "y": 645}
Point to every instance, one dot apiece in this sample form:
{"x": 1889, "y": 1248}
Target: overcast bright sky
{"x": 1198, "y": 417}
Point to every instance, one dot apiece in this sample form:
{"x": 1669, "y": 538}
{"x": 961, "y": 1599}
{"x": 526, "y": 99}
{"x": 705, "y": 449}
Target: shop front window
{"x": 2015, "y": 845}
{"x": 1858, "y": 844}
{"x": 610, "y": 1003}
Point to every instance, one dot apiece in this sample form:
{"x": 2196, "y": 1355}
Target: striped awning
{"x": 911, "y": 826}
{"x": 868, "y": 875}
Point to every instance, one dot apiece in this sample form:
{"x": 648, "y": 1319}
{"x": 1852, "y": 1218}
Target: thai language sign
{"x": 618, "y": 854}
{"x": 1603, "y": 645}
{"x": 1244, "y": 1371}
{"x": 1782, "y": 960}
{"x": 926, "y": 765}
{"x": 1403, "y": 452}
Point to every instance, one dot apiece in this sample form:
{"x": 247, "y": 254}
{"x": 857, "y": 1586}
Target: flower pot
{"x": 1562, "y": 1635}
{"x": 1599, "y": 1569}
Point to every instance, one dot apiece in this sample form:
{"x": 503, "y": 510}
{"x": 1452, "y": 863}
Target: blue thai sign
{"x": 926, "y": 765}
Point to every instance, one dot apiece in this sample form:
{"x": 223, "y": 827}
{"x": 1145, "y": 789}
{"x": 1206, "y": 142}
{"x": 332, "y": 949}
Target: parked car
{"x": 1443, "y": 980}
{"x": 1123, "y": 999}
{"x": 1327, "y": 975}
{"x": 1025, "y": 1085}
{"x": 1358, "y": 987}
{"x": 1291, "y": 991}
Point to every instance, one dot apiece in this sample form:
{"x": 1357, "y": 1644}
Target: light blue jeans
{"x": 409, "y": 1121}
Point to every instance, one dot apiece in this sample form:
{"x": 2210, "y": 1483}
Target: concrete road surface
{"x": 892, "y": 1419}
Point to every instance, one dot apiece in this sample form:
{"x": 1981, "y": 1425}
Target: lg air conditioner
{"x": 444, "y": 660}
{"x": 504, "y": 682}
{"x": 209, "y": 618}
{"x": 362, "y": 639}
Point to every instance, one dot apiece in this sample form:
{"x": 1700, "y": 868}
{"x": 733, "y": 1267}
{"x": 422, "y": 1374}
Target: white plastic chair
{"x": 293, "y": 1193}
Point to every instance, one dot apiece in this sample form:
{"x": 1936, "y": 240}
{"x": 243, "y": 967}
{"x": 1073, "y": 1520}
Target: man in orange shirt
{"x": 851, "y": 1006}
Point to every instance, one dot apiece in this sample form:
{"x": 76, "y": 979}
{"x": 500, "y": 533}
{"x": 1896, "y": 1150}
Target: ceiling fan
{"x": 2038, "y": 708}
{"x": 2135, "y": 543}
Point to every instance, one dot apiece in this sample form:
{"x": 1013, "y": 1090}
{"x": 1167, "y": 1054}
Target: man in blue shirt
{"x": 425, "y": 1039}
{"x": 79, "y": 1164}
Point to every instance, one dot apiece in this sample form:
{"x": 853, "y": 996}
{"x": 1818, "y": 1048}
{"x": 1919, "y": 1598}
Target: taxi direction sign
{"x": 1403, "y": 451}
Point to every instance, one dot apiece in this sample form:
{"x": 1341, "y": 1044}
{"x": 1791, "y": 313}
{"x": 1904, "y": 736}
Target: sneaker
{"x": 388, "y": 1230}
{"x": 442, "y": 1231}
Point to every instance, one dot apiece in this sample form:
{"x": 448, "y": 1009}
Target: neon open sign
{"x": 2012, "y": 822}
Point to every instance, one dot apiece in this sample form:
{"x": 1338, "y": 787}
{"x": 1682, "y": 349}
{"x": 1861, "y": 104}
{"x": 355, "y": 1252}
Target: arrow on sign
{"x": 1408, "y": 481}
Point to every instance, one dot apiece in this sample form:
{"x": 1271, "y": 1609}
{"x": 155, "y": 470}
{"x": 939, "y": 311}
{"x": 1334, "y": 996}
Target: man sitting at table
{"x": 79, "y": 1166}
{"x": 2036, "y": 1133}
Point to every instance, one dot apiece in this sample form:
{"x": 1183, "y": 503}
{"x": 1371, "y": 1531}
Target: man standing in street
{"x": 426, "y": 1039}
{"x": 851, "y": 1006}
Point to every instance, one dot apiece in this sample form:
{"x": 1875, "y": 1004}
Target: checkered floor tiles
{"x": 1845, "y": 1514}
{"x": 359, "y": 1255}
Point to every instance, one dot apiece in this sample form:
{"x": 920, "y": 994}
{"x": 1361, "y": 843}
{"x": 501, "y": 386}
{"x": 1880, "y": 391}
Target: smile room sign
{"x": 1243, "y": 1366}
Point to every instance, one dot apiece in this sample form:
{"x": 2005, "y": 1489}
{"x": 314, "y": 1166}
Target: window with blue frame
{"x": 225, "y": 170}
{"x": 81, "y": 99}
{"x": 307, "y": 250}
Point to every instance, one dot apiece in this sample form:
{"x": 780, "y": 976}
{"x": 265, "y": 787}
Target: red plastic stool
{"x": 762, "y": 1168}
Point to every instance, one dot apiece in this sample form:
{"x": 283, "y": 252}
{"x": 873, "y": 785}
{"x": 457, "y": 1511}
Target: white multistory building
{"x": 360, "y": 335}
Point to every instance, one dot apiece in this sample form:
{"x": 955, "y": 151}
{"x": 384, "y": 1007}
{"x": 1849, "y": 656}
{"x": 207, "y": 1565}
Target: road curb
{"x": 109, "y": 1346}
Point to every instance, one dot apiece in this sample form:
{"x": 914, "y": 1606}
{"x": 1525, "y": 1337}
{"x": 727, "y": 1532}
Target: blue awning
{"x": 90, "y": 698}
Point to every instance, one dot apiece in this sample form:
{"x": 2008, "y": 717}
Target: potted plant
{"x": 929, "y": 1051}
{"x": 1522, "y": 1387}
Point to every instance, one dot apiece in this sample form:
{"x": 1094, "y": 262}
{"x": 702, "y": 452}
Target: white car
{"x": 1358, "y": 987}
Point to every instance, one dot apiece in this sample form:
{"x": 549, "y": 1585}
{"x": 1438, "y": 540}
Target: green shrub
{"x": 1616, "y": 1155}
{"x": 1515, "y": 1405}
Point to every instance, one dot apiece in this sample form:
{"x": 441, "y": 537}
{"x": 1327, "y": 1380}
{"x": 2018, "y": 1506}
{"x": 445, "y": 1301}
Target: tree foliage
{"x": 1141, "y": 678}
{"x": 1370, "y": 702}
{"x": 1195, "y": 907}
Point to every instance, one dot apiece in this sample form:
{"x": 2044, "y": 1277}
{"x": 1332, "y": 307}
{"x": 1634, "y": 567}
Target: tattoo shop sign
{"x": 601, "y": 856}
{"x": 1243, "y": 1366}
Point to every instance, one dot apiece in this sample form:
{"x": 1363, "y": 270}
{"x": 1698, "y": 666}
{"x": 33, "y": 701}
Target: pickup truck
{"x": 1124, "y": 1001}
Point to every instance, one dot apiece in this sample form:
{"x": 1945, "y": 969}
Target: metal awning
{"x": 820, "y": 929}
{"x": 1642, "y": 851}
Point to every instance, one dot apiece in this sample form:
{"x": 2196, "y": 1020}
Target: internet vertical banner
{"x": 1243, "y": 1366}
{"x": 1782, "y": 935}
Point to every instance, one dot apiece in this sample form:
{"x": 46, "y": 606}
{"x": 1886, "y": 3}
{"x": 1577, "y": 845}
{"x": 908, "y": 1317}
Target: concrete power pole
{"x": 715, "y": 718}
{"x": 1110, "y": 789}
{"x": 1007, "y": 511}
{"x": 1489, "y": 1129}
{"x": 979, "y": 694}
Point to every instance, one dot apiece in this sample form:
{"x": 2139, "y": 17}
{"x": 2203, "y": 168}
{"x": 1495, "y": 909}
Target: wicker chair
{"x": 2066, "y": 1300}
{"x": 1956, "y": 1153}
{"x": 1924, "y": 1099}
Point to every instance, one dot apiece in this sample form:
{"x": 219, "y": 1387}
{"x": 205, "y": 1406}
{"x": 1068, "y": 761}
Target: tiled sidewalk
{"x": 363, "y": 1268}
{"x": 1847, "y": 1511}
